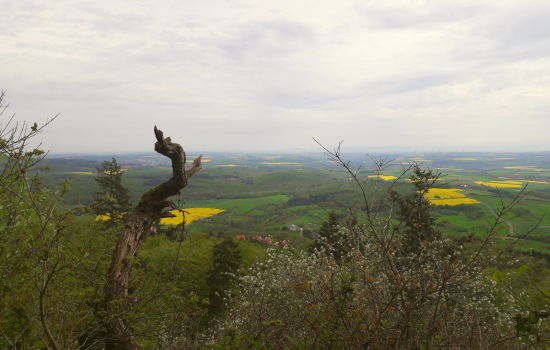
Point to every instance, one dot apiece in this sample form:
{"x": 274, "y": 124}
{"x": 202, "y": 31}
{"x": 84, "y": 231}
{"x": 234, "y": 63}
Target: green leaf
{"x": 497, "y": 276}
{"x": 255, "y": 344}
{"x": 522, "y": 270}
{"x": 533, "y": 319}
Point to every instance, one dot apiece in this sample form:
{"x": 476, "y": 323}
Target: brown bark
{"x": 149, "y": 209}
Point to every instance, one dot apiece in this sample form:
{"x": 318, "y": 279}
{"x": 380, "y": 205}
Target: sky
{"x": 268, "y": 75}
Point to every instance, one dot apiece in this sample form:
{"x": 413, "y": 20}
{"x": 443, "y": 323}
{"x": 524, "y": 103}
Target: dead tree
{"x": 149, "y": 209}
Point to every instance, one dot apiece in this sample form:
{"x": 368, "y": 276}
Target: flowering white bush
{"x": 402, "y": 285}
{"x": 313, "y": 301}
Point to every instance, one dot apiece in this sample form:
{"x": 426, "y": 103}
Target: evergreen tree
{"x": 118, "y": 204}
{"x": 227, "y": 261}
{"x": 414, "y": 212}
{"x": 330, "y": 239}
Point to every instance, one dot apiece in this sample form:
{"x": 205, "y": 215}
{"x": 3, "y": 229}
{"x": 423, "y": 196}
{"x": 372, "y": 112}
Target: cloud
{"x": 410, "y": 13}
{"x": 259, "y": 74}
{"x": 399, "y": 85}
{"x": 257, "y": 40}
{"x": 111, "y": 22}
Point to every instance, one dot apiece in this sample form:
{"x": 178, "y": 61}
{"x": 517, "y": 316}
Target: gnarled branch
{"x": 149, "y": 209}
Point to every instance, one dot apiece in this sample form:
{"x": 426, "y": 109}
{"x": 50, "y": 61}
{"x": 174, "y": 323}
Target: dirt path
{"x": 510, "y": 226}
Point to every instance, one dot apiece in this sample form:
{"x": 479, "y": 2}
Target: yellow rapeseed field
{"x": 453, "y": 201}
{"x": 191, "y": 215}
{"x": 81, "y": 172}
{"x": 501, "y": 184}
{"x": 384, "y": 177}
{"x": 504, "y": 184}
{"x": 452, "y": 196}
{"x": 444, "y": 193}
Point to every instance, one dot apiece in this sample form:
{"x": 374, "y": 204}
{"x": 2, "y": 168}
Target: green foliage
{"x": 172, "y": 232}
{"x": 302, "y": 243}
{"x": 251, "y": 254}
{"x": 364, "y": 290}
{"x": 48, "y": 258}
{"x": 414, "y": 211}
{"x": 330, "y": 239}
{"x": 227, "y": 262}
{"x": 162, "y": 259}
{"x": 112, "y": 199}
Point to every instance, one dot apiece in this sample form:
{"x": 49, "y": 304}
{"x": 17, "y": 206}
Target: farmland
{"x": 262, "y": 194}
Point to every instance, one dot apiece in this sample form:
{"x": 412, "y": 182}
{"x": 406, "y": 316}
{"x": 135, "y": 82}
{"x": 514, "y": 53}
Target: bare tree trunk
{"x": 149, "y": 209}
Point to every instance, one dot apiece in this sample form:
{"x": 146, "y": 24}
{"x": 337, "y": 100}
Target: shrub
{"x": 400, "y": 285}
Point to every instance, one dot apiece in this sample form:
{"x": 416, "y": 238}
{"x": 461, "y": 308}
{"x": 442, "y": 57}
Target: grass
{"x": 240, "y": 206}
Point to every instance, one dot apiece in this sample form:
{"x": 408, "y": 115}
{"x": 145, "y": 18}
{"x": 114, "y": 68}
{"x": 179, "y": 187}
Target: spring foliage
{"x": 112, "y": 200}
{"x": 227, "y": 262}
{"x": 385, "y": 278}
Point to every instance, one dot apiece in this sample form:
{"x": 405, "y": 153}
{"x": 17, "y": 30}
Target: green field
{"x": 264, "y": 198}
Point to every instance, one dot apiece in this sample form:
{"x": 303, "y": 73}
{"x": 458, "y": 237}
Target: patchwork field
{"x": 262, "y": 194}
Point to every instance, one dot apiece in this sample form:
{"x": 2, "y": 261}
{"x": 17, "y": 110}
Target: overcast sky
{"x": 266, "y": 75}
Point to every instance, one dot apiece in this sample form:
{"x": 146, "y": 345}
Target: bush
{"x": 400, "y": 284}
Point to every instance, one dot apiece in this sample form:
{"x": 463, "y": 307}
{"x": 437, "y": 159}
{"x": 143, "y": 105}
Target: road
{"x": 510, "y": 226}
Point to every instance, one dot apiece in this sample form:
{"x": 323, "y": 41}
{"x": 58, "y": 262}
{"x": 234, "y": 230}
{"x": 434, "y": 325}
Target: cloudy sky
{"x": 266, "y": 75}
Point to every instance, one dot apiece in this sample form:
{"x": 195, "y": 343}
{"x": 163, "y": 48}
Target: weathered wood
{"x": 138, "y": 228}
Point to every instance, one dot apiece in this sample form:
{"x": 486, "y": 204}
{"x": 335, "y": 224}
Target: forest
{"x": 369, "y": 264}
